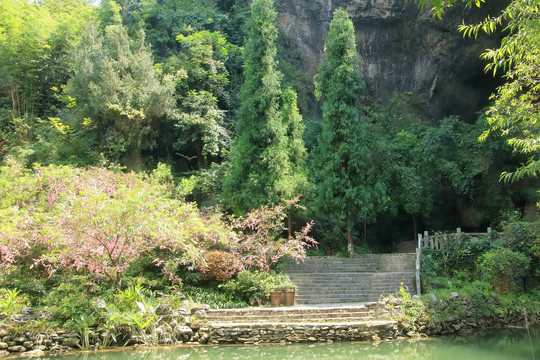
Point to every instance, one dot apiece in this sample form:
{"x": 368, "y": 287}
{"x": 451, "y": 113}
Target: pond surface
{"x": 504, "y": 344}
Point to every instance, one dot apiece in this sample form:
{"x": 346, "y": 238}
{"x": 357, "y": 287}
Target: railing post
{"x": 418, "y": 257}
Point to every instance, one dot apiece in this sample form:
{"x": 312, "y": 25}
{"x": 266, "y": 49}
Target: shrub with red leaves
{"x": 220, "y": 265}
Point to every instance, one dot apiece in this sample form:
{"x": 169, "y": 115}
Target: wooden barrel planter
{"x": 288, "y": 295}
{"x": 275, "y": 298}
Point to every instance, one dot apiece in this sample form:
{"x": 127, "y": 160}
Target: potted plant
{"x": 275, "y": 297}
{"x": 281, "y": 287}
{"x": 286, "y": 286}
{"x": 288, "y": 294}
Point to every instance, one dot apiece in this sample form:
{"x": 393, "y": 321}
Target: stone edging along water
{"x": 386, "y": 320}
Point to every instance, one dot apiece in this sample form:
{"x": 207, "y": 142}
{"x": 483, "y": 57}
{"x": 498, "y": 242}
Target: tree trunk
{"x": 365, "y": 233}
{"x": 415, "y": 226}
{"x": 350, "y": 243}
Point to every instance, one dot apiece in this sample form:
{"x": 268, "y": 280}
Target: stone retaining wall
{"x": 35, "y": 344}
{"x": 306, "y": 332}
{"x": 186, "y": 328}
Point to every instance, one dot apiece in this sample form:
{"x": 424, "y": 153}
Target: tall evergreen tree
{"x": 117, "y": 88}
{"x": 347, "y": 185}
{"x": 297, "y": 182}
{"x": 259, "y": 159}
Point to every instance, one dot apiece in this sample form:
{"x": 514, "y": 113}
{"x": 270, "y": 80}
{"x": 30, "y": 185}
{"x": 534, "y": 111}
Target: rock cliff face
{"x": 403, "y": 49}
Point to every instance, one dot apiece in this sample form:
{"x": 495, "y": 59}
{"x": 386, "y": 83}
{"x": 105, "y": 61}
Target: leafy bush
{"x": 261, "y": 243}
{"x": 74, "y": 297}
{"x": 248, "y": 286}
{"x": 523, "y": 237}
{"x": 431, "y": 268}
{"x": 97, "y": 219}
{"x": 315, "y": 252}
{"x": 255, "y": 287}
{"x": 470, "y": 250}
{"x": 11, "y": 301}
{"x": 212, "y": 297}
{"x": 500, "y": 266}
{"x": 34, "y": 288}
{"x": 513, "y": 308}
{"x": 219, "y": 265}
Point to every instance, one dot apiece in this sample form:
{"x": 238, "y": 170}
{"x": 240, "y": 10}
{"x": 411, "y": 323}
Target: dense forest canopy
{"x": 210, "y": 87}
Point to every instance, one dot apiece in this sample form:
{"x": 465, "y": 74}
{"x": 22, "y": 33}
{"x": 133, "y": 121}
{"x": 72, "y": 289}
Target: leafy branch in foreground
{"x": 515, "y": 111}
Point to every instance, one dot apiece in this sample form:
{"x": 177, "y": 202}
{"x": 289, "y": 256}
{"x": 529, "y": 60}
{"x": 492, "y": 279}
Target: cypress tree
{"x": 296, "y": 183}
{"x": 259, "y": 160}
{"x": 347, "y": 186}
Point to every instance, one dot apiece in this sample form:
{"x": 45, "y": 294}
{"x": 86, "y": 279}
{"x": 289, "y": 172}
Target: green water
{"x": 499, "y": 344}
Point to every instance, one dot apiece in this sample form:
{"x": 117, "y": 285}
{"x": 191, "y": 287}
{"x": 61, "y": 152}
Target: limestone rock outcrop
{"x": 403, "y": 49}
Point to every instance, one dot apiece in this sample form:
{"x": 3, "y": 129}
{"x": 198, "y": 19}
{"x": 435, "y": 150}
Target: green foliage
{"x": 207, "y": 190}
{"x": 523, "y": 237}
{"x": 471, "y": 250}
{"x": 500, "y": 266}
{"x": 514, "y": 111}
{"x": 135, "y": 309}
{"x": 10, "y": 301}
{"x": 348, "y": 188}
{"x": 206, "y": 55}
{"x": 201, "y": 130}
{"x": 34, "y": 41}
{"x": 431, "y": 170}
{"x": 201, "y": 133}
{"x": 164, "y": 20}
{"x": 98, "y": 220}
{"x": 127, "y": 299}
{"x": 514, "y": 305}
{"x": 296, "y": 183}
{"x": 81, "y": 323}
{"x": 460, "y": 254}
{"x": 213, "y": 297}
{"x": 29, "y": 284}
{"x": 73, "y": 298}
{"x": 505, "y": 262}
{"x": 255, "y": 287}
{"x": 403, "y": 293}
{"x": 259, "y": 158}
{"x": 118, "y": 90}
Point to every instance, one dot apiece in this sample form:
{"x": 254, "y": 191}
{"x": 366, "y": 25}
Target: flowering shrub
{"x": 101, "y": 221}
{"x": 97, "y": 219}
{"x": 260, "y": 237}
{"x": 219, "y": 265}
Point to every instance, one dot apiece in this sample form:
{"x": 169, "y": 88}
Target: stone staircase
{"x": 315, "y": 323}
{"x": 292, "y": 315}
{"x": 330, "y": 280}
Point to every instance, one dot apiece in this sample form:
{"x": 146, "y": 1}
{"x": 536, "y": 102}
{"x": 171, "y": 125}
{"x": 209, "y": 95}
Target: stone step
{"x": 288, "y": 319}
{"x": 277, "y": 311}
{"x": 321, "y": 280}
{"x": 366, "y": 263}
{"x": 328, "y": 300}
{"x": 249, "y": 326}
{"x": 296, "y": 314}
{"x": 355, "y": 269}
{"x": 346, "y": 277}
{"x": 346, "y": 290}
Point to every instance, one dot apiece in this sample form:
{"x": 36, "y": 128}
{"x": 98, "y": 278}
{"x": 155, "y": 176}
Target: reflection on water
{"x": 499, "y": 344}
